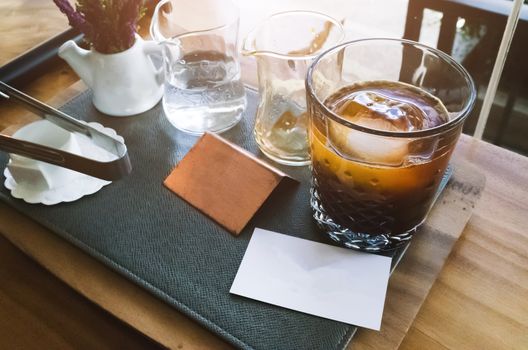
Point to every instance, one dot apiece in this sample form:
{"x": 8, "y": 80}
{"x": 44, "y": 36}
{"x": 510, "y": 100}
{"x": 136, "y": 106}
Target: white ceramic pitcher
{"x": 124, "y": 83}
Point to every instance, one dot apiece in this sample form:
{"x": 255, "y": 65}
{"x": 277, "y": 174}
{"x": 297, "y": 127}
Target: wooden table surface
{"x": 479, "y": 301}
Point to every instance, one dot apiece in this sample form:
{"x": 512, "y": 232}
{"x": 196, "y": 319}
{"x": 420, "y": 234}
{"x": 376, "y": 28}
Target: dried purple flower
{"x": 75, "y": 19}
{"x": 108, "y": 25}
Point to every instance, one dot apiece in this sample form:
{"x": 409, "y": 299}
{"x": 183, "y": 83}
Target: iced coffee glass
{"x": 385, "y": 115}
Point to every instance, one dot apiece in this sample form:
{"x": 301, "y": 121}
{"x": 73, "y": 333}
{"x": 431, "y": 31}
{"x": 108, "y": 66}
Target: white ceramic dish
{"x": 39, "y": 182}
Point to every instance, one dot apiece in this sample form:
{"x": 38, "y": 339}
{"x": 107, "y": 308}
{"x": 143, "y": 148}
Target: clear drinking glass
{"x": 285, "y": 45}
{"x": 203, "y": 90}
{"x": 385, "y": 115}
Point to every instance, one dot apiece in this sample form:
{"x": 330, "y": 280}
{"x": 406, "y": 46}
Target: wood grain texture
{"x": 27, "y": 23}
{"x": 480, "y": 300}
{"x": 40, "y": 312}
{"x": 44, "y": 88}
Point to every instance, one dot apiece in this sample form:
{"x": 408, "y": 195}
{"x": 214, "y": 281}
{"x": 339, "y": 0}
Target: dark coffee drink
{"x": 372, "y": 184}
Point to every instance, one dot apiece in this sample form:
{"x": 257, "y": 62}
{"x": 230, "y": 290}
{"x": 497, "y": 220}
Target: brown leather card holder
{"x": 223, "y": 181}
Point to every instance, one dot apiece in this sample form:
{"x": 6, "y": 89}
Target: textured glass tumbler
{"x": 203, "y": 89}
{"x": 372, "y": 187}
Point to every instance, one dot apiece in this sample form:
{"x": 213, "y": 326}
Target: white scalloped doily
{"x": 77, "y": 187}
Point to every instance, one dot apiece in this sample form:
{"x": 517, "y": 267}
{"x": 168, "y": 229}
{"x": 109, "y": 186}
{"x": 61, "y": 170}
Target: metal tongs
{"x": 111, "y": 170}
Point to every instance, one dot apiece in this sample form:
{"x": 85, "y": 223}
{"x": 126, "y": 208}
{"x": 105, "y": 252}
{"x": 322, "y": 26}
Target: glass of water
{"x": 203, "y": 90}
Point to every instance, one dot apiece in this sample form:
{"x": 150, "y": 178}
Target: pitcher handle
{"x": 152, "y": 48}
{"x": 248, "y": 44}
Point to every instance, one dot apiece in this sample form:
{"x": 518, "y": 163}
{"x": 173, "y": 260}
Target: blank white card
{"x": 315, "y": 278}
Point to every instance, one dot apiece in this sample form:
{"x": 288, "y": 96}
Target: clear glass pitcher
{"x": 285, "y": 45}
